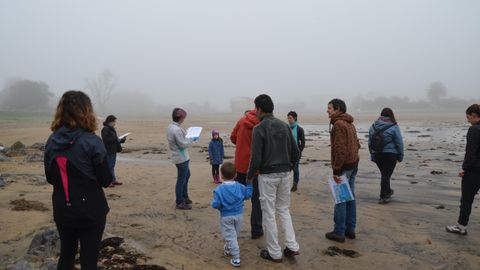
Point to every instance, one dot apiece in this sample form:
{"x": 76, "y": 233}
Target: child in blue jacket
{"x": 216, "y": 154}
{"x": 228, "y": 199}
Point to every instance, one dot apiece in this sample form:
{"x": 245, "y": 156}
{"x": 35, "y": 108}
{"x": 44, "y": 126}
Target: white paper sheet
{"x": 194, "y": 132}
{"x": 341, "y": 192}
{"x": 124, "y": 135}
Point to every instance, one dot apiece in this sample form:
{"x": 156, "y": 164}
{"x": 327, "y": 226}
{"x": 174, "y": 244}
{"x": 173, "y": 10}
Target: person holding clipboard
{"x": 113, "y": 145}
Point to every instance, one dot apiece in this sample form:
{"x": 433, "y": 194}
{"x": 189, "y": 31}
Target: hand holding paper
{"x": 124, "y": 136}
{"x": 341, "y": 191}
{"x": 194, "y": 133}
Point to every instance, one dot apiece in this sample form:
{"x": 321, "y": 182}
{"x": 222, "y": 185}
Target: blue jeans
{"x": 111, "y": 160}
{"x": 296, "y": 173}
{"x": 181, "y": 188}
{"x": 345, "y": 215}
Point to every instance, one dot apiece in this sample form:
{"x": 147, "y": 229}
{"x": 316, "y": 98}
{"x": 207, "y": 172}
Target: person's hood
{"x": 64, "y": 137}
{"x": 343, "y": 116}
{"x": 250, "y": 119}
{"x": 232, "y": 193}
{"x": 383, "y": 122}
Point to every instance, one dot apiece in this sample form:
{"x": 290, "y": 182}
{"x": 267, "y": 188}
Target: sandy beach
{"x": 408, "y": 233}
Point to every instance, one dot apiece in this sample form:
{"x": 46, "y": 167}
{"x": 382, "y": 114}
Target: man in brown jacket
{"x": 344, "y": 155}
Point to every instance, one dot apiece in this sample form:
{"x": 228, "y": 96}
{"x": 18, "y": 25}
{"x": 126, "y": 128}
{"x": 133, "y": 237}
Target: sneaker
{"x": 184, "y": 206}
{"x": 265, "y": 255}
{"x": 294, "y": 187}
{"x": 335, "y": 237}
{"x": 187, "y": 200}
{"x": 350, "y": 235}
{"x": 290, "y": 253}
{"x": 235, "y": 262}
{"x": 457, "y": 228}
{"x": 383, "y": 200}
{"x": 226, "y": 251}
{"x": 390, "y": 194}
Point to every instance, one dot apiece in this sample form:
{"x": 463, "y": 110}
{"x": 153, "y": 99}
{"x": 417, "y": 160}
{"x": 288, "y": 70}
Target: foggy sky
{"x": 184, "y": 51}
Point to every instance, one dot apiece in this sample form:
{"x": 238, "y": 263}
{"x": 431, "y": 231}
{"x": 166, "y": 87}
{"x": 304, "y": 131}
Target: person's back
{"x": 344, "y": 143}
{"x": 229, "y": 197}
{"x": 241, "y": 136}
{"x": 392, "y": 137}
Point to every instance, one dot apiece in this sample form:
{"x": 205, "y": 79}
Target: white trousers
{"x": 274, "y": 191}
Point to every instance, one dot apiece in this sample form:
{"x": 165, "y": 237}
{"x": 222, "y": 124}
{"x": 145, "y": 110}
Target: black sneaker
{"x": 265, "y": 255}
{"x": 184, "y": 206}
{"x": 335, "y": 237}
{"x": 294, "y": 187}
{"x": 187, "y": 200}
{"x": 390, "y": 194}
{"x": 290, "y": 253}
{"x": 350, "y": 235}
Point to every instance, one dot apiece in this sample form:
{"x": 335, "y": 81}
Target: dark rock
{"x": 413, "y": 182}
{"x": 21, "y": 265}
{"x": 149, "y": 267}
{"x": 411, "y": 149}
{"x": 34, "y": 158}
{"x": 45, "y": 243}
{"x": 336, "y": 251}
{"x": 424, "y": 136}
{"x": 412, "y": 131}
{"x": 17, "y": 149}
{"x": 440, "y": 207}
{"x": 2, "y": 182}
{"x": 49, "y": 264}
{"x": 436, "y": 172}
{"x": 3, "y": 157}
{"x": 38, "y": 146}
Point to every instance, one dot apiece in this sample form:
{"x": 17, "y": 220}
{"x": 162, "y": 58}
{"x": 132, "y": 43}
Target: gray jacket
{"x": 177, "y": 143}
{"x": 273, "y": 148}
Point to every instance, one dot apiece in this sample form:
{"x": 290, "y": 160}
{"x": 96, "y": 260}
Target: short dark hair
{"x": 110, "y": 119}
{"x": 387, "y": 112}
{"x": 293, "y": 114}
{"x": 228, "y": 170}
{"x": 265, "y": 103}
{"x": 338, "y": 104}
{"x": 473, "y": 109}
{"x": 178, "y": 114}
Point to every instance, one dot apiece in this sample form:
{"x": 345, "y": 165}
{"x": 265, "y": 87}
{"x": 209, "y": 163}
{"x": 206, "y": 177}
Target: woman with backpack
{"x": 386, "y": 148}
{"x": 75, "y": 164}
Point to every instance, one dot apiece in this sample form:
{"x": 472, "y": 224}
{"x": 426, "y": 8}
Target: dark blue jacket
{"x": 392, "y": 137}
{"x": 216, "y": 151}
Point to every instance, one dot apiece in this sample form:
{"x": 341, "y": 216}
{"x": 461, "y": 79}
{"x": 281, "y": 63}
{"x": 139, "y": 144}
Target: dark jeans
{"x": 296, "y": 173}
{"x": 215, "y": 169}
{"x": 386, "y": 163}
{"x": 256, "y": 216}
{"x": 470, "y": 187}
{"x": 89, "y": 238}
{"x": 181, "y": 188}
{"x": 111, "y": 161}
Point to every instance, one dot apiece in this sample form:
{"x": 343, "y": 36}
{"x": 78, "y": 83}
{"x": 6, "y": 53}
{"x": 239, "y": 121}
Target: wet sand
{"x": 408, "y": 233}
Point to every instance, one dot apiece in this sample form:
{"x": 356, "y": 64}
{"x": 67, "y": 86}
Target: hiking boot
{"x": 390, "y": 194}
{"x": 335, "y": 237}
{"x": 290, "y": 253}
{"x": 235, "y": 262}
{"x": 350, "y": 235}
{"x": 265, "y": 255}
{"x": 187, "y": 200}
{"x": 383, "y": 200}
{"x": 457, "y": 228}
{"x": 294, "y": 187}
{"x": 184, "y": 206}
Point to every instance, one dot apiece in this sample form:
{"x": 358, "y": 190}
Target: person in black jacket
{"x": 470, "y": 171}
{"x": 299, "y": 137}
{"x": 112, "y": 144}
{"x": 75, "y": 165}
{"x": 274, "y": 153}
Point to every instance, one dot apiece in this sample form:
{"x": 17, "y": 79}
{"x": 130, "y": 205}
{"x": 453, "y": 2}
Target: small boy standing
{"x": 228, "y": 199}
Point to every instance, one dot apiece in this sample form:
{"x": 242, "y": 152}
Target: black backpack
{"x": 377, "y": 140}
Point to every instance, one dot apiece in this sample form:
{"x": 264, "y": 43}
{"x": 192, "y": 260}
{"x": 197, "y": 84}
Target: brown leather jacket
{"x": 344, "y": 143}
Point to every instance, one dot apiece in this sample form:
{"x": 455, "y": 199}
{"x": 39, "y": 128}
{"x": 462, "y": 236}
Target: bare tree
{"x": 102, "y": 88}
{"x": 436, "y": 91}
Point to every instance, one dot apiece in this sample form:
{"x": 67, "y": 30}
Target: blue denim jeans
{"x": 296, "y": 173}
{"x": 181, "y": 188}
{"x": 111, "y": 160}
{"x": 345, "y": 215}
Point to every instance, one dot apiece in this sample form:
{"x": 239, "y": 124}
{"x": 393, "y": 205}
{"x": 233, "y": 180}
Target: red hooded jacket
{"x": 242, "y": 137}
